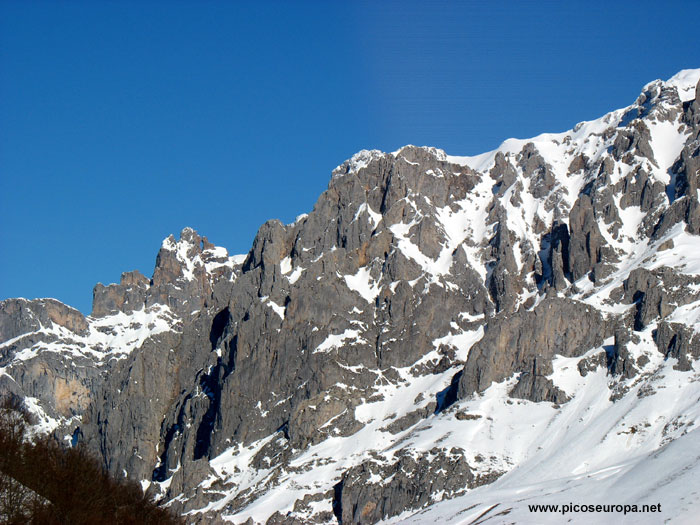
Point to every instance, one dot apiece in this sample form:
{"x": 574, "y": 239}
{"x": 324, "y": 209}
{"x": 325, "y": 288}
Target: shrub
{"x": 43, "y": 482}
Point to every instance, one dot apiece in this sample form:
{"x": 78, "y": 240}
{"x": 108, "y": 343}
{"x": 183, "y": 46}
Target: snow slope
{"x": 619, "y": 438}
{"x": 617, "y": 441}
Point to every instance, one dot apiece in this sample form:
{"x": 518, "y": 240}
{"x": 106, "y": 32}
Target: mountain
{"x": 441, "y": 339}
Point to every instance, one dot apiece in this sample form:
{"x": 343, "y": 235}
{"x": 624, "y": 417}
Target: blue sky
{"x": 123, "y": 122}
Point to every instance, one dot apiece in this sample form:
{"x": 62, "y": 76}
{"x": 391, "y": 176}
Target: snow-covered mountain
{"x": 441, "y": 340}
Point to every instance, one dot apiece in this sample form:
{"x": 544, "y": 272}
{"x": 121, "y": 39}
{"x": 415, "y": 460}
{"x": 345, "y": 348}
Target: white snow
{"x": 358, "y": 161}
{"x": 108, "y": 337}
{"x": 363, "y": 283}
{"x": 685, "y": 81}
{"x": 366, "y": 209}
{"x": 294, "y": 275}
{"x": 462, "y": 341}
{"x": 286, "y": 265}
{"x": 590, "y": 449}
{"x": 335, "y": 341}
{"x": 279, "y": 310}
{"x": 45, "y": 424}
{"x": 644, "y": 447}
{"x": 667, "y": 143}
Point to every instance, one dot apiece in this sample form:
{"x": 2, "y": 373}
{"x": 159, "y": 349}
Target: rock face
{"x": 369, "y": 491}
{"x": 526, "y": 342}
{"x": 349, "y": 360}
{"x": 127, "y": 296}
{"x": 19, "y": 317}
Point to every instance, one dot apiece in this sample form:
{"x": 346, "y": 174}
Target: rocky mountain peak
{"x": 185, "y": 275}
{"x": 19, "y": 316}
{"x": 378, "y": 355}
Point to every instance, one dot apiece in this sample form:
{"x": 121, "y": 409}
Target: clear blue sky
{"x": 123, "y": 122}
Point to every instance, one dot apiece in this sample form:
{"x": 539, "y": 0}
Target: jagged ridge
{"x": 311, "y": 375}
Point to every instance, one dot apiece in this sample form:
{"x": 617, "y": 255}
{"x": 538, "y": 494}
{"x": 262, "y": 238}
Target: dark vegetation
{"x": 42, "y": 482}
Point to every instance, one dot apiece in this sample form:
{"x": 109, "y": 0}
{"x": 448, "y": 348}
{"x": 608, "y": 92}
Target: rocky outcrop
{"x": 683, "y": 190}
{"x": 637, "y": 189}
{"x": 656, "y": 294}
{"x": 619, "y": 362}
{"x": 64, "y": 388}
{"x": 285, "y": 330}
{"x": 127, "y": 296}
{"x": 534, "y": 167}
{"x": 374, "y": 490}
{"x": 585, "y": 240}
{"x": 633, "y": 141}
{"x": 189, "y": 274}
{"x": 647, "y": 292}
{"x": 525, "y": 342}
{"x": 503, "y": 173}
{"x": 554, "y": 258}
{"x": 210, "y": 381}
{"x": 687, "y": 171}
{"x": 20, "y": 316}
{"x": 504, "y": 284}
{"x": 678, "y": 341}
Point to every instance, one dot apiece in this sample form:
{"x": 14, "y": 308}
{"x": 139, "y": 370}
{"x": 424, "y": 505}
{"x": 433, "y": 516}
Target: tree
{"x": 43, "y": 482}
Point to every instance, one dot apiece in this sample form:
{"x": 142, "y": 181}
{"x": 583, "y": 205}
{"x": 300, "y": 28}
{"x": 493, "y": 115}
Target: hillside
{"x": 440, "y": 338}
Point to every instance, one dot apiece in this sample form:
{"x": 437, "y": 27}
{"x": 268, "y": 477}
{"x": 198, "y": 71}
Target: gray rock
{"x": 285, "y": 345}
{"x": 504, "y": 284}
{"x": 634, "y": 140}
{"x": 20, "y": 316}
{"x": 503, "y": 173}
{"x": 585, "y": 240}
{"x": 678, "y": 341}
{"x": 525, "y": 343}
{"x": 406, "y": 483}
{"x": 619, "y": 361}
{"x": 555, "y": 256}
{"x": 534, "y": 167}
{"x": 127, "y": 296}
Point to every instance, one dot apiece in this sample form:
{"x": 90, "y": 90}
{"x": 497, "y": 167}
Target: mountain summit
{"x": 440, "y": 339}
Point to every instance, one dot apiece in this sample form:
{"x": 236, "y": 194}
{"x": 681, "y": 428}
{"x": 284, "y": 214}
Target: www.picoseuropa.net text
{"x": 596, "y": 508}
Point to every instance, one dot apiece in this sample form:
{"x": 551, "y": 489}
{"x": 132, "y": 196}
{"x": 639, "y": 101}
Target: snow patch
{"x": 335, "y": 341}
{"x": 363, "y": 284}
